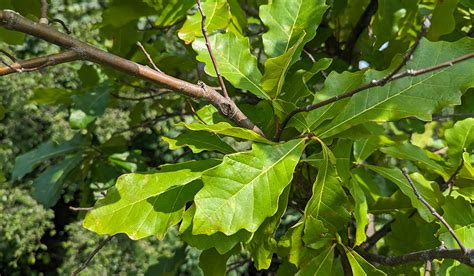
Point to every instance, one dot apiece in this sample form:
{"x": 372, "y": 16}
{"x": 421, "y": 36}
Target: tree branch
{"x": 13, "y": 21}
{"x": 209, "y": 49}
{"x": 421, "y": 256}
{"x": 93, "y": 253}
{"x": 44, "y": 12}
{"x": 381, "y": 82}
{"x": 433, "y": 211}
{"x": 38, "y": 63}
{"x": 360, "y": 26}
{"x": 374, "y": 83}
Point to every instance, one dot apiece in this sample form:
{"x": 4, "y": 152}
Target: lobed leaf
{"x": 245, "y": 189}
{"x": 141, "y": 205}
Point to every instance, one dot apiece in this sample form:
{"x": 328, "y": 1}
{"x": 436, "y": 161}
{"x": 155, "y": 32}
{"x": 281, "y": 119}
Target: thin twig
{"x": 433, "y": 211}
{"x": 420, "y": 256}
{"x": 209, "y": 48}
{"x": 451, "y": 179}
{"x": 150, "y": 60}
{"x": 374, "y": 83}
{"x": 136, "y": 99}
{"x": 79, "y": 209}
{"x": 44, "y": 12}
{"x": 150, "y": 122}
{"x": 93, "y": 253}
{"x": 65, "y": 27}
{"x": 38, "y": 63}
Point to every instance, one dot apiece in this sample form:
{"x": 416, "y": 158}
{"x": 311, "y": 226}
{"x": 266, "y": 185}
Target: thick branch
{"x": 16, "y": 22}
{"x": 38, "y": 63}
{"x": 433, "y": 211}
{"x": 421, "y": 256}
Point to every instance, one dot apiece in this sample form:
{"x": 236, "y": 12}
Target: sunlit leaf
{"x": 147, "y": 203}
{"x": 245, "y": 189}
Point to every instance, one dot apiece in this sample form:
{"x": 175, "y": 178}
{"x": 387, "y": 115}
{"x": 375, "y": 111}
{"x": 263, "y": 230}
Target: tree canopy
{"x": 283, "y": 136}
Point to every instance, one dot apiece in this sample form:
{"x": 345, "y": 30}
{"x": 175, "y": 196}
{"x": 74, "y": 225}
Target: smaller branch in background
{"x": 420, "y": 256}
{"x": 382, "y": 232}
{"x": 44, "y": 12}
{"x": 209, "y": 49}
{"x": 153, "y": 96}
{"x": 65, "y": 27}
{"x": 361, "y": 25}
{"x": 93, "y": 253}
{"x": 450, "y": 182}
{"x": 454, "y": 115}
{"x": 193, "y": 110}
{"x": 310, "y": 56}
{"x": 433, "y": 211}
{"x": 150, "y": 60}
{"x": 150, "y": 122}
{"x": 79, "y": 209}
{"x": 428, "y": 266}
{"x": 38, "y": 63}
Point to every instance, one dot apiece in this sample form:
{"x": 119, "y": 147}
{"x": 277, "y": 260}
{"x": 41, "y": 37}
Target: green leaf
{"x": 88, "y": 75}
{"x": 170, "y": 11}
{"x": 413, "y": 153}
{"x": 442, "y": 21}
{"x": 198, "y": 141}
{"x": 51, "y": 96}
{"x": 88, "y": 106}
{"x": 147, "y": 204}
{"x": 320, "y": 265}
{"x": 219, "y": 241}
{"x": 411, "y": 234}
{"x": 263, "y": 244}
{"x": 287, "y": 22}
{"x": 227, "y": 129}
{"x": 276, "y": 69}
{"x": 291, "y": 246}
{"x": 48, "y": 186}
{"x": 428, "y": 190}
{"x": 2, "y": 112}
{"x": 360, "y": 211}
{"x": 295, "y": 86}
{"x": 126, "y": 11}
{"x": 363, "y": 148}
{"x": 244, "y": 190}
{"x": 217, "y": 17}
{"x": 418, "y": 96}
{"x": 458, "y": 138}
{"x": 335, "y": 84}
{"x": 359, "y": 266}
{"x": 214, "y": 264}
{"x": 26, "y": 162}
{"x": 235, "y": 62}
{"x": 328, "y": 199}
{"x": 460, "y": 216}
{"x": 168, "y": 265}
